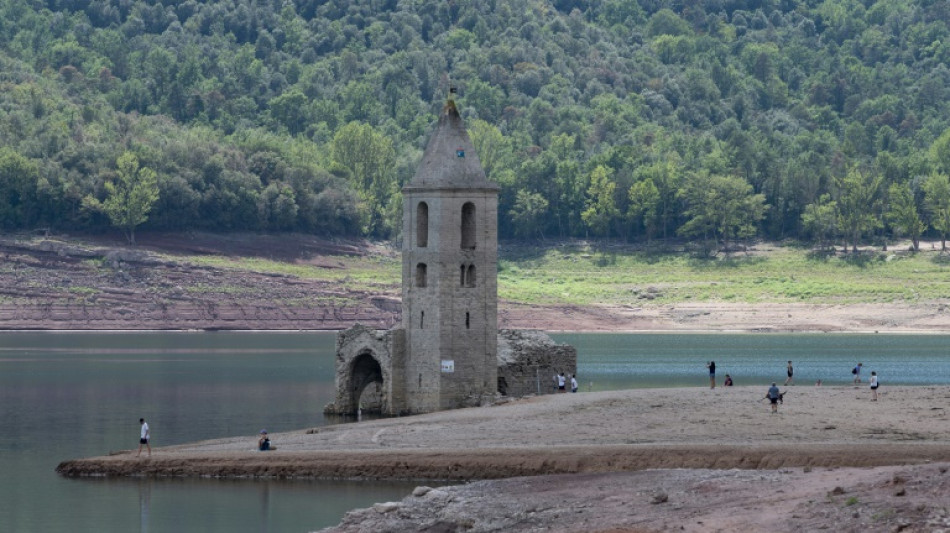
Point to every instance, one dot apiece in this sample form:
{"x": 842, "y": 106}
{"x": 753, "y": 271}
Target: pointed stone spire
{"x": 450, "y": 160}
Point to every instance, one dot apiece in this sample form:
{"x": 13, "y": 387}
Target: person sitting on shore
{"x": 263, "y": 443}
{"x": 728, "y": 382}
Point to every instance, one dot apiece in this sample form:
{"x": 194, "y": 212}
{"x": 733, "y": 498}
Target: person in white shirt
{"x": 573, "y": 383}
{"x": 873, "y": 386}
{"x": 144, "y": 437}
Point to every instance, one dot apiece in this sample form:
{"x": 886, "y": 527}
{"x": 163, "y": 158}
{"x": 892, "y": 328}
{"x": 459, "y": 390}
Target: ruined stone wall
{"x": 528, "y": 361}
{"x": 352, "y": 346}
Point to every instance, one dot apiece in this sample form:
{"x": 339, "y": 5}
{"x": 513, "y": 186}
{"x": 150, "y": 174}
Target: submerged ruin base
{"x": 369, "y": 363}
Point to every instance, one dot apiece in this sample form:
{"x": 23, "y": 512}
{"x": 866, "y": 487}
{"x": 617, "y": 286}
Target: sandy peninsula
{"x": 726, "y": 436}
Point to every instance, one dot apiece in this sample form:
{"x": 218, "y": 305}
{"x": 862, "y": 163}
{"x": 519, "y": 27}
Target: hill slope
{"x": 607, "y": 118}
{"x": 212, "y": 281}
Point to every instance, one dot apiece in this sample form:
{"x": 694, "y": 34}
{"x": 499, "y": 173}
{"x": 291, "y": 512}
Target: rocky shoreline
{"x": 789, "y": 499}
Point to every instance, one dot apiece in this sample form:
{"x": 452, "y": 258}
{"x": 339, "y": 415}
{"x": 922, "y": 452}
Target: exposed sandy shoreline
{"x": 596, "y": 437}
{"x": 586, "y": 432}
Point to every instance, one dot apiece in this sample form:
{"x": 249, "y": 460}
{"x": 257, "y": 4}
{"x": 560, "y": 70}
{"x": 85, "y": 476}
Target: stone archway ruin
{"x": 366, "y": 383}
{"x": 366, "y": 373}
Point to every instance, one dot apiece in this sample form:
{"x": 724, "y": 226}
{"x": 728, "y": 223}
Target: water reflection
{"x": 145, "y": 504}
{"x": 265, "y": 507}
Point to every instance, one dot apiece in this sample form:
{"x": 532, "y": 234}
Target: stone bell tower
{"x": 445, "y": 354}
{"x": 449, "y": 267}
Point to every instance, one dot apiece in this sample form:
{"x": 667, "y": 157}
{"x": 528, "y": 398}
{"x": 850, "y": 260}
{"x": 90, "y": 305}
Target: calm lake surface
{"x": 68, "y": 395}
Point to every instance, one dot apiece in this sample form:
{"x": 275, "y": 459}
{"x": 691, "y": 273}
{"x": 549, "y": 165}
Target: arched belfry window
{"x": 422, "y": 225}
{"x": 470, "y": 276}
{"x": 421, "y": 275}
{"x": 461, "y": 275}
{"x": 468, "y": 226}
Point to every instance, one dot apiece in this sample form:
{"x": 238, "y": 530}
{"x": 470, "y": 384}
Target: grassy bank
{"x": 578, "y": 274}
{"x": 766, "y": 274}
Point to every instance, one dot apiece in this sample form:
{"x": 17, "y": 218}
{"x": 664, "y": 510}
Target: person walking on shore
{"x": 561, "y": 382}
{"x": 144, "y": 437}
{"x": 789, "y": 371}
{"x": 857, "y": 373}
{"x": 712, "y": 374}
{"x": 773, "y": 395}
{"x": 873, "y": 382}
{"x": 573, "y": 383}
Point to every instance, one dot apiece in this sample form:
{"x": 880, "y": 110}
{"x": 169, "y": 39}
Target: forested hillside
{"x": 635, "y": 120}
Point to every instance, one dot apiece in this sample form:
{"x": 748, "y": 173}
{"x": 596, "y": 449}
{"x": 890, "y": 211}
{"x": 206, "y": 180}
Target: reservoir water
{"x": 68, "y": 395}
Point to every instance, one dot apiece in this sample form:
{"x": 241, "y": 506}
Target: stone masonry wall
{"x": 528, "y": 361}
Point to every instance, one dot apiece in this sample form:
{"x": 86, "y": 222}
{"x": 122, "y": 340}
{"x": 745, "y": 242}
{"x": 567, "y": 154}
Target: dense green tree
{"x": 18, "y": 179}
{"x": 644, "y": 205}
{"x": 721, "y": 207}
{"x": 820, "y": 220}
{"x": 290, "y": 110}
{"x": 666, "y": 177}
{"x": 277, "y": 207}
{"x": 940, "y": 152}
{"x": 527, "y": 214}
{"x": 937, "y": 202}
{"x": 902, "y": 213}
{"x": 601, "y": 208}
{"x": 489, "y": 144}
{"x": 129, "y": 195}
{"x": 369, "y": 159}
{"x": 859, "y": 196}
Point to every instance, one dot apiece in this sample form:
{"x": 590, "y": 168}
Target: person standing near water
{"x": 144, "y": 437}
{"x": 857, "y": 373}
{"x": 873, "y": 382}
{"x": 712, "y": 374}
{"x": 773, "y": 395}
{"x": 573, "y": 383}
{"x": 789, "y": 370}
